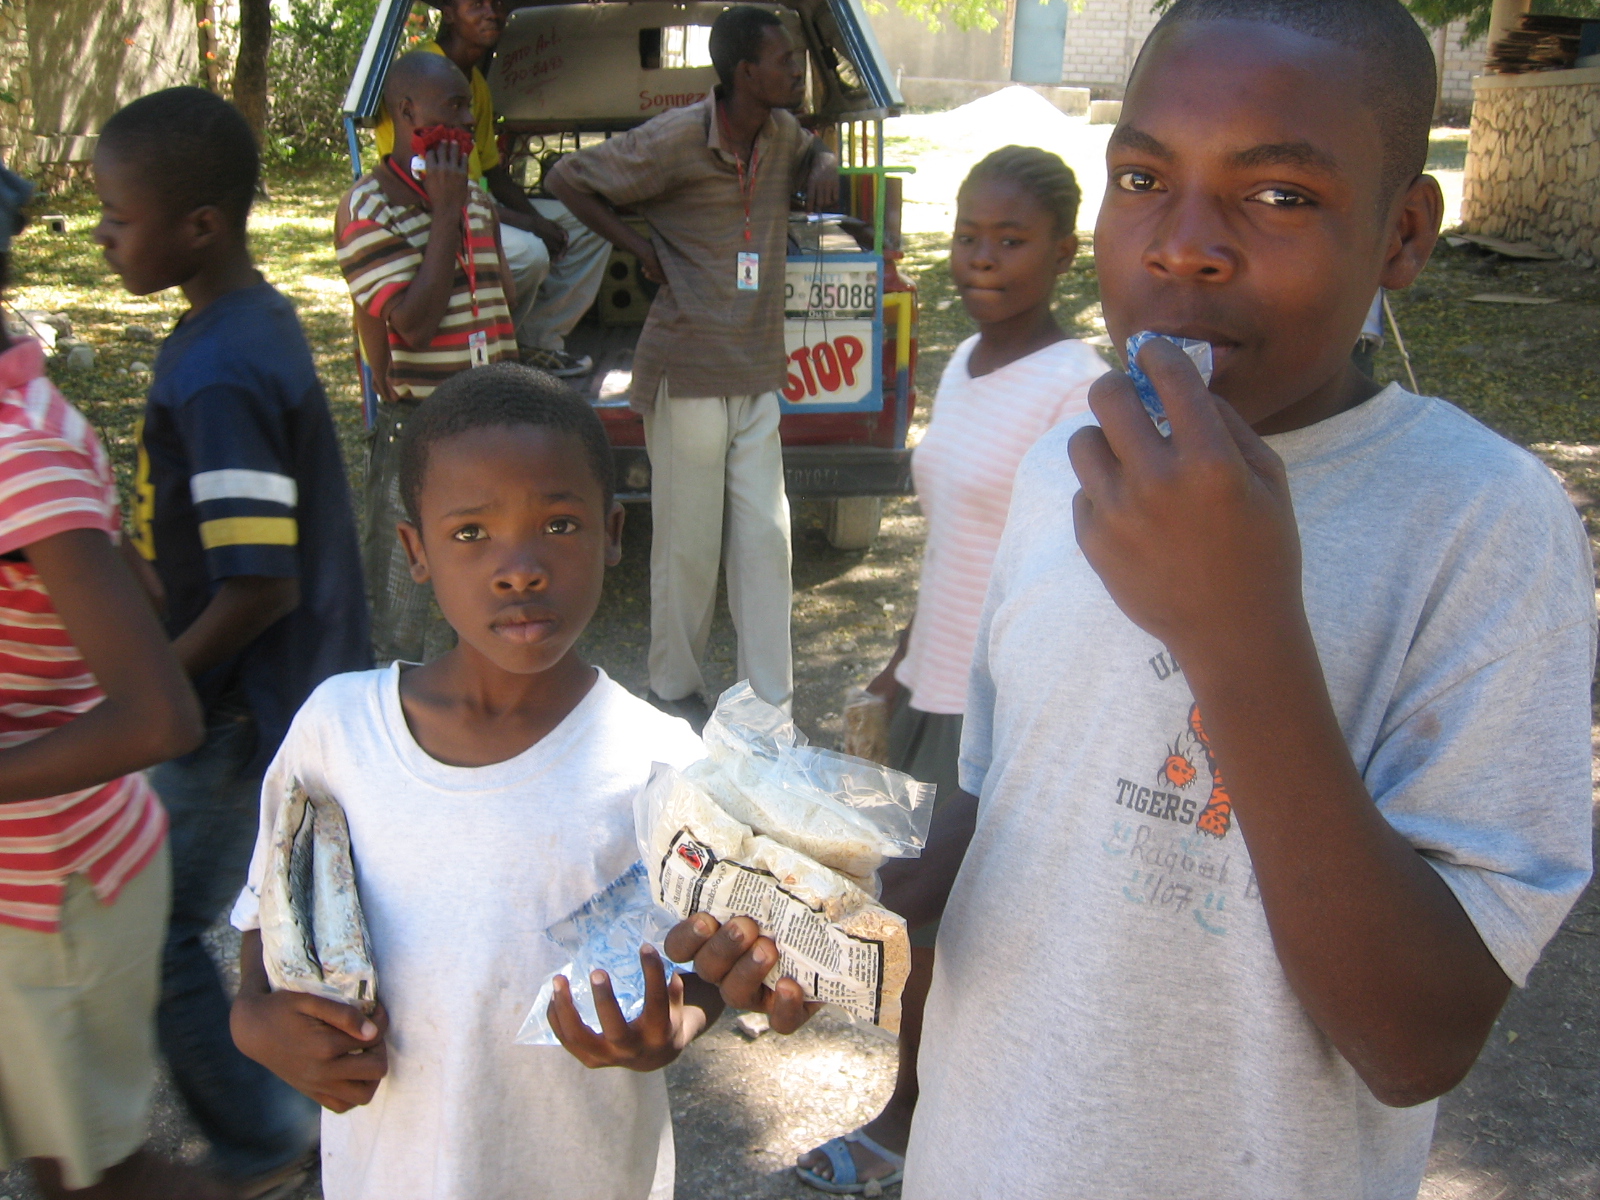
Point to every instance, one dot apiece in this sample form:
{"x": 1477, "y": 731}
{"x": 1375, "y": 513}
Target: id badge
{"x": 749, "y": 273}
{"x": 478, "y": 344}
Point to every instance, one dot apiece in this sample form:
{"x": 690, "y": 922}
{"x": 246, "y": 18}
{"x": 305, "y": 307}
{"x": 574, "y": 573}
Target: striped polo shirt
{"x": 381, "y": 232}
{"x": 981, "y": 429}
{"x": 54, "y": 477}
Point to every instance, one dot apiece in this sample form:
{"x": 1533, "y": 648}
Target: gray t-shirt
{"x": 1108, "y": 1017}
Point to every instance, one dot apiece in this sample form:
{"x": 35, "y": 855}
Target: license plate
{"x": 821, "y": 291}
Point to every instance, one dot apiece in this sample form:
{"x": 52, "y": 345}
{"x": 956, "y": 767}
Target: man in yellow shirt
{"x": 556, "y": 262}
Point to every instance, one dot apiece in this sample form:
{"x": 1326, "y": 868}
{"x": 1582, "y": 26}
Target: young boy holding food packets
{"x": 489, "y": 794}
{"x": 1276, "y": 762}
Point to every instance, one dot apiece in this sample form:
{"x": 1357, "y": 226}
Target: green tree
{"x": 314, "y": 53}
{"x": 1434, "y": 13}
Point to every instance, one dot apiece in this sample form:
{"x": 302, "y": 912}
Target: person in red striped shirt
{"x": 90, "y": 695}
{"x": 419, "y": 246}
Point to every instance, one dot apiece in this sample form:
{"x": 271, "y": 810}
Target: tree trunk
{"x": 250, "y": 69}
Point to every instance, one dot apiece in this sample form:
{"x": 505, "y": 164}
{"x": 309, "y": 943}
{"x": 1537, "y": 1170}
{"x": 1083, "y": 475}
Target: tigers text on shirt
{"x": 381, "y": 231}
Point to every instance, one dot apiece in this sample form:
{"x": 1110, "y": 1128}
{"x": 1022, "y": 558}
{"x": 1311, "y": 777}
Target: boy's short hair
{"x": 496, "y": 395}
{"x": 1399, "y": 84}
{"x": 192, "y": 146}
{"x": 736, "y": 36}
{"x": 1043, "y": 175}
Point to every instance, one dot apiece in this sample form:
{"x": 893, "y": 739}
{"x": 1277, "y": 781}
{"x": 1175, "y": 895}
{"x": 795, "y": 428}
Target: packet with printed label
{"x": 1199, "y": 353}
{"x": 790, "y": 835}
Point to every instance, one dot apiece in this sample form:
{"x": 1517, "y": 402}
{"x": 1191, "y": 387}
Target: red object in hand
{"x": 423, "y": 140}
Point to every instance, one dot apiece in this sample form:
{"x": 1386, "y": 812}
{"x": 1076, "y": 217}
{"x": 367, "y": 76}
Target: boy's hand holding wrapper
{"x": 782, "y": 842}
{"x": 307, "y": 1008}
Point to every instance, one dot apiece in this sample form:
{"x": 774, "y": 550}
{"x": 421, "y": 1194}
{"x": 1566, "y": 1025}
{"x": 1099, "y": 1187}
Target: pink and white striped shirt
{"x": 54, "y": 476}
{"x": 964, "y": 467}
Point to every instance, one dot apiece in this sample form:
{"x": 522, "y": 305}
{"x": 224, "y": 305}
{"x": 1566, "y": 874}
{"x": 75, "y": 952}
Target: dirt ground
{"x": 1525, "y": 1124}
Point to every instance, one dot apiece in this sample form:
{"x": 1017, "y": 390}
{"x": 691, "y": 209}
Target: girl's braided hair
{"x": 1039, "y": 173}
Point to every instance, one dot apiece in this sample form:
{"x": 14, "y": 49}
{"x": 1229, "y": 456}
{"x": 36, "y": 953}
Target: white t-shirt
{"x": 1108, "y": 1018}
{"x": 964, "y": 467}
{"x": 460, "y": 870}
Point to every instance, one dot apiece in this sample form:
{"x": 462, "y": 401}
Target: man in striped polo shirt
{"x": 431, "y": 300}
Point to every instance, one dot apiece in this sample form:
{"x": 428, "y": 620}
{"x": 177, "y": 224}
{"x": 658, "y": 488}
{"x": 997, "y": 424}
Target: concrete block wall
{"x": 1103, "y": 39}
{"x": 1533, "y": 167}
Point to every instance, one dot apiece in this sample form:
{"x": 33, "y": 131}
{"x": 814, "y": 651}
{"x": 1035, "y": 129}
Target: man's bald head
{"x": 1398, "y": 83}
{"x": 418, "y": 72}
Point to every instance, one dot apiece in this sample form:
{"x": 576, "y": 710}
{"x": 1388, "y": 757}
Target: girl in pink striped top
{"x": 1014, "y": 380}
{"x": 90, "y": 695}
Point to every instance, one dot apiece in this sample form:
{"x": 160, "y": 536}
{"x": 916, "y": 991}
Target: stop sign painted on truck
{"x": 830, "y": 370}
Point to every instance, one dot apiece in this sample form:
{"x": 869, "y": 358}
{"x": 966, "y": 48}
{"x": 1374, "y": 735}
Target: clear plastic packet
{"x": 606, "y": 933}
{"x": 833, "y": 938}
{"x": 1199, "y": 353}
{"x": 792, "y": 789}
{"x": 314, "y": 935}
{"x": 866, "y": 725}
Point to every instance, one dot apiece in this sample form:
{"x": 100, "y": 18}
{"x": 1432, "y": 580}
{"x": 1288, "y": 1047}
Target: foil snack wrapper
{"x": 1199, "y": 353}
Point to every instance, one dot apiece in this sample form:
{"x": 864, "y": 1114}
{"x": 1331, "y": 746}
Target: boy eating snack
{"x": 1278, "y": 750}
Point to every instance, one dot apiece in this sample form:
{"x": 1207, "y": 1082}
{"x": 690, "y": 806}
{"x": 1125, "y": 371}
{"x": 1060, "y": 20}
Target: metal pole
{"x": 354, "y": 144}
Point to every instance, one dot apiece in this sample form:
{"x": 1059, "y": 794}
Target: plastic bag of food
{"x": 771, "y": 828}
{"x": 607, "y": 933}
{"x": 313, "y": 935}
{"x": 843, "y": 811}
{"x": 866, "y": 725}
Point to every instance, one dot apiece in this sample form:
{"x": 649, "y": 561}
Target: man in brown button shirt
{"x": 713, "y": 182}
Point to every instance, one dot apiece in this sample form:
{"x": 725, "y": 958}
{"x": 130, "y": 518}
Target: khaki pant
{"x": 716, "y": 471}
{"x": 552, "y": 297}
{"x": 78, "y": 1027}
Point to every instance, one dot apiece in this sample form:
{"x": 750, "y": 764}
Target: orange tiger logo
{"x": 1216, "y": 818}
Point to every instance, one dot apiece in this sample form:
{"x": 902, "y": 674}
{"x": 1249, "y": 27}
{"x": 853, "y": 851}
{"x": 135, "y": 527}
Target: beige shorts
{"x": 78, "y": 1007}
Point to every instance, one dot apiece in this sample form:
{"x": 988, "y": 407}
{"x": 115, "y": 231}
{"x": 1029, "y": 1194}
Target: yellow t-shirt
{"x": 486, "y": 153}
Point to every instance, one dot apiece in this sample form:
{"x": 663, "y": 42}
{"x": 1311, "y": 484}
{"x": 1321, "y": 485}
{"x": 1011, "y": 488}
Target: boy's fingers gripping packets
{"x": 791, "y": 836}
{"x": 313, "y": 935}
{"x": 766, "y": 827}
{"x": 1199, "y": 353}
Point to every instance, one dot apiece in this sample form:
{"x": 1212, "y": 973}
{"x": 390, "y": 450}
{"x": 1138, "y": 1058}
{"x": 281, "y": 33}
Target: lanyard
{"x": 464, "y": 254}
{"x": 746, "y": 194}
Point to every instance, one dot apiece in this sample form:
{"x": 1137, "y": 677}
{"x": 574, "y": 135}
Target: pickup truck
{"x": 565, "y": 75}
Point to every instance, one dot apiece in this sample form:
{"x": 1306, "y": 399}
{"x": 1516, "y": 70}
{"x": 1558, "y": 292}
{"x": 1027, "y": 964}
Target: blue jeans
{"x": 254, "y": 1121}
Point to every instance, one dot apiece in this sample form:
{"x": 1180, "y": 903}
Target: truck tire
{"x": 853, "y": 522}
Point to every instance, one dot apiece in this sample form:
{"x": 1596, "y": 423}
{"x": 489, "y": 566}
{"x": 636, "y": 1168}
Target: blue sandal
{"x": 844, "y": 1182}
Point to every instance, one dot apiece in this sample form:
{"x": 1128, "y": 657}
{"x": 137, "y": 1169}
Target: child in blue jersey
{"x": 244, "y": 512}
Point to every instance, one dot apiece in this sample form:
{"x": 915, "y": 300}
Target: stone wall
{"x": 1533, "y": 161}
{"x": 16, "y": 86}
